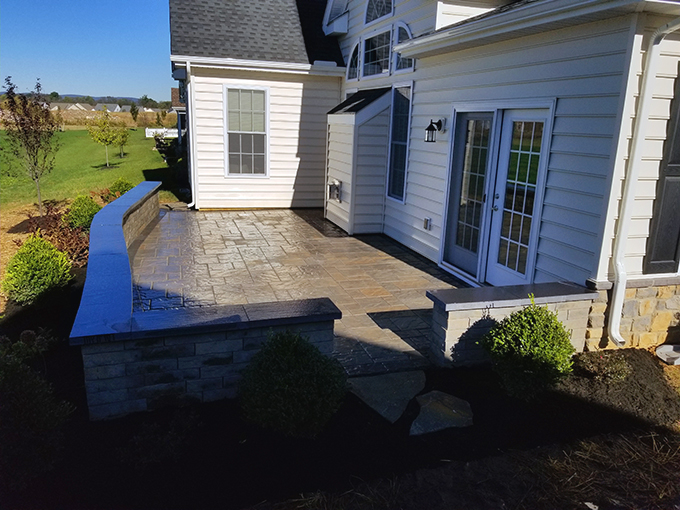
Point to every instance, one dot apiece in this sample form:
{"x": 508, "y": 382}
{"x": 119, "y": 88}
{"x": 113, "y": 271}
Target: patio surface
{"x": 195, "y": 258}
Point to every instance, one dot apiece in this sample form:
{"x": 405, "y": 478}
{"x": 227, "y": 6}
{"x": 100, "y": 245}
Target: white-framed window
{"x": 246, "y": 131}
{"x": 337, "y": 8}
{"x": 376, "y": 9}
{"x": 402, "y": 34}
{"x": 377, "y": 54}
{"x": 353, "y": 66}
{"x": 399, "y": 136}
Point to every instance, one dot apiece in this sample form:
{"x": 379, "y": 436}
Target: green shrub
{"x": 30, "y": 420}
{"x": 82, "y": 211}
{"x": 291, "y": 387}
{"x": 530, "y": 350}
{"x": 35, "y": 268}
{"x": 120, "y": 186}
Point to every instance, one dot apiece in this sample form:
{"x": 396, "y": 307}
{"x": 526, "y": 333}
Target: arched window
{"x": 376, "y": 9}
{"x": 353, "y": 67}
{"x": 401, "y": 35}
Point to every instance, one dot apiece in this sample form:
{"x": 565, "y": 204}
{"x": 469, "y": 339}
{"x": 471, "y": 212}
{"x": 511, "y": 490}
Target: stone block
{"x": 113, "y": 384}
{"x": 107, "y": 397}
{"x": 219, "y": 346}
{"x": 594, "y": 333}
{"x": 171, "y": 376}
{"x": 104, "y": 347}
{"x": 578, "y": 339}
{"x": 220, "y": 359}
{"x": 321, "y": 337}
{"x": 646, "y": 306}
{"x": 662, "y": 321}
{"x": 626, "y": 323}
{"x": 174, "y": 351}
{"x": 649, "y": 339}
{"x": 458, "y": 324}
{"x": 110, "y": 358}
{"x": 201, "y": 385}
{"x": 253, "y": 342}
{"x": 602, "y": 297}
{"x": 195, "y": 339}
{"x": 597, "y": 308}
{"x": 596, "y": 321}
{"x": 641, "y": 324}
{"x": 630, "y": 308}
{"x": 144, "y": 342}
{"x": 311, "y": 326}
{"x": 665, "y": 292}
{"x": 158, "y": 390}
{"x": 578, "y": 314}
{"x": 151, "y": 367}
{"x": 105, "y": 372}
{"x": 673, "y": 303}
{"x": 115, "y": 409}
{"x": 218, "y": 371}
{"x": 212, "y": 395}
{"x": 630, "y": 293}
{"x": 244, "y": 356}
{"x": 645, "y": 292}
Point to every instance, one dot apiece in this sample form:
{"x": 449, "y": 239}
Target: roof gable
{"x": 263, "y": 30}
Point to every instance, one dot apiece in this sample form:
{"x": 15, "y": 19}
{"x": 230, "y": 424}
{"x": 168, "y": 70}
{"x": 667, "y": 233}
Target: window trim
{"x": 381, "y": 18}
{"x": 395, "y": 54}
{"x": 225, "y": 111}
{"x": 357, "y": 47}
{"x": 401, "y": 201}
{"x": 389, "y": 58}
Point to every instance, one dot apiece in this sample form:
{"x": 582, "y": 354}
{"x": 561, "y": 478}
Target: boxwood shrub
{"x": 120, "y": 186}
{"x": 530, "y": 350}
{"x": 82, "y": 211}
{"x": 291, "y": 387}
{"x": 35, "y": 268}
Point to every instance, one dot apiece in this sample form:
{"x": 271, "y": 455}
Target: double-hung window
{"x": 246, "y": 131}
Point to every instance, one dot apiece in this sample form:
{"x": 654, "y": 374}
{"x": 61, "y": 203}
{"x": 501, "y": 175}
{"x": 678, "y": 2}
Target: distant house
{"x": 70, "y": 107}
{"x": 60, "y": 106}
{"x": 125, "y": 108}
{"x": 114, "y": 108}
{"x": 82, "y": 107}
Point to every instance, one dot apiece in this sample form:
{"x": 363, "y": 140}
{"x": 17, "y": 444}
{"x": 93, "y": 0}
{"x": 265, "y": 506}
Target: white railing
{"x": 164, "y": 132}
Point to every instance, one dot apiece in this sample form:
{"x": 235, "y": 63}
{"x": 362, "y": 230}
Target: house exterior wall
{"x": 296, "y": 139}
{"x": 370, "y": 174}
{"x": 340, "y": 168}
{"x": 655, "y": 137}
{"x": 580, "y": 67}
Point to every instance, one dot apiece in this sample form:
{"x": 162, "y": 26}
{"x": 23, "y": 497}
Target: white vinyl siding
{"x": 369, "y": 177}
{"x": 297, "y": 139}
{"x": 340, "y": 168}
{"x": 662, "y": 95}
{"x": 582, "y": 68}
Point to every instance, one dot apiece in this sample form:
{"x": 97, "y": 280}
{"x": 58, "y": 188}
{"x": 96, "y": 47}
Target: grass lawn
{"x": 80, "y": 167}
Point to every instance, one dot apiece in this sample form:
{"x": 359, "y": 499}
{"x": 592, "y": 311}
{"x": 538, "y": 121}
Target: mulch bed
{"x": 208, "y": 457}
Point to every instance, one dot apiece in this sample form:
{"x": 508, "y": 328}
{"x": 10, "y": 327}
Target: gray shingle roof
{"x": 269, "y": 30}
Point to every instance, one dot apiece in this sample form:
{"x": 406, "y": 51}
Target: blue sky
{"x": 95, "y": 47}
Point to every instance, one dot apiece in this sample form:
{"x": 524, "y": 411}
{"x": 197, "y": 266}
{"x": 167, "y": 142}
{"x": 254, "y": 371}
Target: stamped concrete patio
{"x": 193, "y": 259}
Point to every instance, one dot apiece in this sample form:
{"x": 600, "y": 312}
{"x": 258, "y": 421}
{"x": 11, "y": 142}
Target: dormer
{"x": 336, "y": 18}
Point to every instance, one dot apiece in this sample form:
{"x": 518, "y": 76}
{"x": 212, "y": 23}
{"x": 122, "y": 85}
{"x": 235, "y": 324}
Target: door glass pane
{"x": 520, "y": 189}
{"x": 473, "y": 180}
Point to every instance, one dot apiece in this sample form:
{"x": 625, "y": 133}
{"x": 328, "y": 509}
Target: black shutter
{"x": 663, "y": 245}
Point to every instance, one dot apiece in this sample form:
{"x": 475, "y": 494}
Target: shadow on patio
{"x": 196, "y": 258}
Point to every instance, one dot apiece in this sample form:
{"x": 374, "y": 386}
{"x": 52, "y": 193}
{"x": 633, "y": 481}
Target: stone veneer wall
{"x": 143, "y": 374}
{"x": 140, "y": 217}
{"x": 651, "y": 316}
{"x": 461, "y": 317}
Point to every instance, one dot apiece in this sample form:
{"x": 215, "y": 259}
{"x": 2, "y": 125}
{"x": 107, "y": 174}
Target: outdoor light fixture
{"x": 431, "y": 130}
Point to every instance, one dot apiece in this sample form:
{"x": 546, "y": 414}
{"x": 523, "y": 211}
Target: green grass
{"x": 80, "y": 167}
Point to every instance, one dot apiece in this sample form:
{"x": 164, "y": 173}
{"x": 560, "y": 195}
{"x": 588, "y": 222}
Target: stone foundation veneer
{"x": 461, "y": 317}
{"x": 650, "y": 315}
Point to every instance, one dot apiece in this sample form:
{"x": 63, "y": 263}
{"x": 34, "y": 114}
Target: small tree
{"x": 122, "y": 137}
{"x": 30, "y": 133}
{"x": 134, "y": 111}
{"x": 159, "y": 122}
{"x": 103, "y": 131}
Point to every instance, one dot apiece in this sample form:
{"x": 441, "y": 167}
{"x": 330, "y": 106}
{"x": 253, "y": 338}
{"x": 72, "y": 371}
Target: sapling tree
{"x": 134, "y": 111}
{"x": 30, "y": 129}
{"x": 122, "y": 137}
{"x": 103, "y": 131}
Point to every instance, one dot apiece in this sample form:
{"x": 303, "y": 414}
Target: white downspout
{"x": 192, "y": 135}
{"x": 628, "y": 196}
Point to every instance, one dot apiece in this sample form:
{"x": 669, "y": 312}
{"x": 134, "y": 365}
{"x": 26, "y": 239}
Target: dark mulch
{"x": 208, "y": 457}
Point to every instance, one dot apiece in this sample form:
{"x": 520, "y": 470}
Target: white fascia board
{"x": 323, "y": 69}
{"x": 528, "y": 17}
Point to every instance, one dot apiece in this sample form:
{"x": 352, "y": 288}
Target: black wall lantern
{"x": 431, "y": 130}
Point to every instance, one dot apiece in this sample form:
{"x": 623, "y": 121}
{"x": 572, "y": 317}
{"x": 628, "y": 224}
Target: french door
{"x": 497, "y": 170}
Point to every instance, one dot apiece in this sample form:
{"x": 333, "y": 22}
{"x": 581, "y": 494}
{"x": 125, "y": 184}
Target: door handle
{"x": 494, "y": 208}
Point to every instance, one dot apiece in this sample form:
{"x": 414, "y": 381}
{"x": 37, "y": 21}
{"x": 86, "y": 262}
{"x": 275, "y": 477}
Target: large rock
{"x": 388, "y": 394}
{"x": 439, "y": 411}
